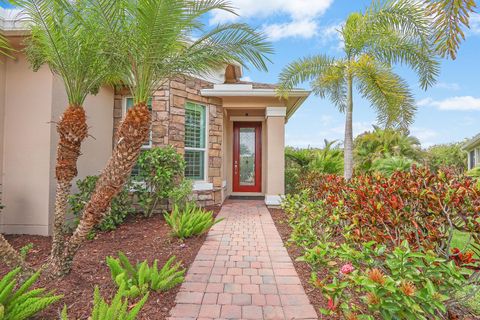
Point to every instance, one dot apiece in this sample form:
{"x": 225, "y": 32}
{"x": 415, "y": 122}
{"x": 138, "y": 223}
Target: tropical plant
{"x": 5, "y": 48}
{"x": 74, "y": 52}
{"x": 446, "y": 155}
{"x": 450, "y": 18}
{"x": 157, "y": 40}
{"x": 389, "y": 282}
{"x": 160, "y": 171}
{"x": 381, "y": 144}
{"x": 474, "y": 173}
{"x": 189, "y": 222}
{"x": 299, "y": 162}
{"x": 118, "y": 309}
{"x": 389, "y": 166}
{"x": 20, "y": 302}
{"x": 120, "y": 208}
{"x": 423, "y": 207}
{"x": 138, "y": 280}
{"x": 389, "y": 32}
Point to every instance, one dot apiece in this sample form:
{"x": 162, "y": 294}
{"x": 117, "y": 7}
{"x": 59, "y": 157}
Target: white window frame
{"x": 124, "y": 112}
{"x": 202, "y": 184}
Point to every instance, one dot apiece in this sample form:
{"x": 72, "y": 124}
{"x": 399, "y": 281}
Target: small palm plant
{"x": 395, "y": 32}
{"x": 22, "y": 303}
{"x": 141, "y": 278}
{"x": 5, "y": 48}
{"x": 118, "y": 309}
{"x": 190, "y": 221}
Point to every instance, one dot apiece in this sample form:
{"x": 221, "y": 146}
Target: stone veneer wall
{"x": 168, "y": 126}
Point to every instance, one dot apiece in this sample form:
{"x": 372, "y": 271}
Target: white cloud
{"x": 462, "y": 103}
{"x": 475, "y": 23}
{"x": 425, "y": 135}
{"x": 294, "y": 29}
{"x": 301, "y": 21}
{"x": 247, "y": 79}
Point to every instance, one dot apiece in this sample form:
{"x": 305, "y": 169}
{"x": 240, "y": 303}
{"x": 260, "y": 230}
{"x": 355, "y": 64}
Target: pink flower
{"x": 347, "y": 268}
{"x": 331, "y": 305}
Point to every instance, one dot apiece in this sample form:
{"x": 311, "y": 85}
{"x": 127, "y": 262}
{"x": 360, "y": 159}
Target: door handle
{"x": 236, "y": 167}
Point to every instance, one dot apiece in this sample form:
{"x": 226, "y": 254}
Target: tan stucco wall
{"x": 3, "y": 71}
{"x": 275, "y": 156}
{"x": 33, "y": 101}
{"x": 27, "y": 146}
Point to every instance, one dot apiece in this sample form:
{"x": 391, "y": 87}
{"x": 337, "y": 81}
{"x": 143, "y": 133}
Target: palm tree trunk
{"x": 72, "y": 129}
{"x": 348, "y": 144}
{"x": 132, "y": 134}
{"x": 10, "y": 256}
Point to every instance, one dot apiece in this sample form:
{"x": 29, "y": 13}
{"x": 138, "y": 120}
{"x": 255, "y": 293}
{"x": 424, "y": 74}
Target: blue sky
{"x": 448, "y": 112}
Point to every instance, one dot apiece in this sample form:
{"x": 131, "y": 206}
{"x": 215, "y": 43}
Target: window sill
{"x": 202, "y": 186}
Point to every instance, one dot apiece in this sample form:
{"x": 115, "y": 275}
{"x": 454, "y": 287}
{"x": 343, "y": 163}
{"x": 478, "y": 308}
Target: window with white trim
{"x": 195, "y": 141}
{"x": 148, "y": 144}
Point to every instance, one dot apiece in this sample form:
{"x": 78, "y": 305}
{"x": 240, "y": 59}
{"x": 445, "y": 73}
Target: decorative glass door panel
{"x": 247, "y": 157}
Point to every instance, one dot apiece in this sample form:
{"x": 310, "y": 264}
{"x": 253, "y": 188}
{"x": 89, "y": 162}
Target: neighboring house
{"x": 473, "y": 149}
{"x": 231, "y": 132}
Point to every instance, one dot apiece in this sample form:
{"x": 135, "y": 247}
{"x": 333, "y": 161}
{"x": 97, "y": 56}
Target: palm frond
{"x": 392, "y": 47}
{"x": 388, "y": 93}
{"x": 159, "y": 41}
{"x": 332, "y": 83}
{"x": 5, "y": 48}
{"x": 450, "y": 17}
{"x": 65, "y": 38}
{"x": 406, "y": 17}
{"x": 297, "y": 72}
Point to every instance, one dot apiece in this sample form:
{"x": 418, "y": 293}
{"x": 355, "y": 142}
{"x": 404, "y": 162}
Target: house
{"x": 472, "y": 147}
{"x": 231, "y": 133}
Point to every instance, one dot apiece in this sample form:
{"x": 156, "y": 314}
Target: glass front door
{"x": 247, "y": 157}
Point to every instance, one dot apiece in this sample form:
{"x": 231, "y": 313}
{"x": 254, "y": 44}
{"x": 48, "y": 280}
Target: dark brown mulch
{"x": 138, "y": 238}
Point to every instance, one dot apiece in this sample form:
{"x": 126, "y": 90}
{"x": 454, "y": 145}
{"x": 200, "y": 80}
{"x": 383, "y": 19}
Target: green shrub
{"x": 22, "y": 303}
{"x": 447, "y": 155}
{"x": 160, "y": 179}
{"x": 118, "y": 309}
{"x": 474, "y": 173}
{"x": 381, "y": 144}
{"x": 387, "y": 166}
{"x": 394, "y": 284}
{"x": 139, "y": 279}
{"x": 190, "y": 221}
{"x": 120, "y": 208}
{"x": 299, "y": 162}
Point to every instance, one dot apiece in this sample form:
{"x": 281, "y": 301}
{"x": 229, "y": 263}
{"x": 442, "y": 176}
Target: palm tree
{"x": 450, "y": 17}
{"x": 395, "y": 32}
{"x": 157, "y": 39}
{"x": 74, "y": 53}
{"x": 382, "y": 144}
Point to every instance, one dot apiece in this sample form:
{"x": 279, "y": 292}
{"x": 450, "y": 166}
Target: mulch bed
{"x": 304, "y": 272}
{"x": 138, "y": 238}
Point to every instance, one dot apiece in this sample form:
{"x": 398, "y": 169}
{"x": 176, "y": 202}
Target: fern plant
{"x": 190, "y": 222}
{"x": 22, "y": 303}
{"x": 117, "y": 310}
{"x": 141, "y": 278}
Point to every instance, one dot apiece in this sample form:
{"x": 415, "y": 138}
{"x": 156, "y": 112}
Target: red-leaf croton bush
{"x": 419, "y": 206}
{"x": 381, "y": 246}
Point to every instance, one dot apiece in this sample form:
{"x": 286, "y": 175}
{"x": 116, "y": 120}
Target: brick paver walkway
{"x": 243, "y": 271}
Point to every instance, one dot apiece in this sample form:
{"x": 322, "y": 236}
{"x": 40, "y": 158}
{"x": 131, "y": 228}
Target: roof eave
{"x": 250, "y": 93}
